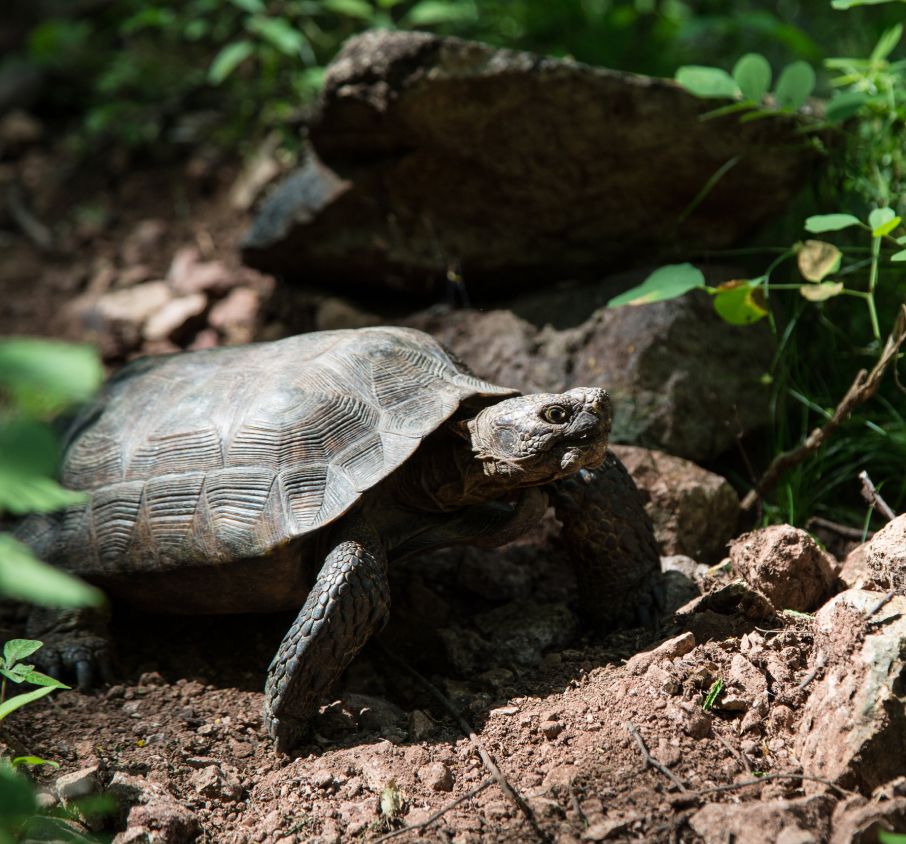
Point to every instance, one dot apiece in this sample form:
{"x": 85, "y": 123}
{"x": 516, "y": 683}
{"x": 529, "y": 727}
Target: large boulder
{"x": 433, "y": 155}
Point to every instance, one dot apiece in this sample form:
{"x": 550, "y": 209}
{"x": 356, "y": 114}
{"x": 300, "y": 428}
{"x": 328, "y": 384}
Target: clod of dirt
{"x": 853, "y": 726}
{"x": 727, "y": 610}
{"x": 804, "y": 820}
{"x": 675, "y": 647}
{"x": 694, "y": 511}
{"x": 786, "y": 565}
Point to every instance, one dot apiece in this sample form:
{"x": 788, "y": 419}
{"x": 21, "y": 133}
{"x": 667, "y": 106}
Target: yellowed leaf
{"x": 817, "y": 259}
{"x": 822, "y": 291}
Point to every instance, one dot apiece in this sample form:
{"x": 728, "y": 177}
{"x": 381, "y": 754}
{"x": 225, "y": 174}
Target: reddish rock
{"x": 173, "y": 316}
{"x": 885, "y": 557}
{"x": 786, "y": 565}
{"x": 804, "y": 820}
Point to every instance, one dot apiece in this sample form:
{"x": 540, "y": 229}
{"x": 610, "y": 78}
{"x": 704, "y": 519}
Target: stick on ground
{"x": 651, "y": 761}
{"x": 873, "y": 497}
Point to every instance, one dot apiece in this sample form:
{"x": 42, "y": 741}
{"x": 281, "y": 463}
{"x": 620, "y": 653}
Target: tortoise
{"x": 286, "y": 474}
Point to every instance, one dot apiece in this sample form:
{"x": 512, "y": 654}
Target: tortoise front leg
{"x": 348, "y": 603}
{"x": 611, "y": 541}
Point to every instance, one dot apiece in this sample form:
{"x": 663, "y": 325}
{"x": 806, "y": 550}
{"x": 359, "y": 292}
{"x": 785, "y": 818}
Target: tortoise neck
{"x": 444, "y": 475}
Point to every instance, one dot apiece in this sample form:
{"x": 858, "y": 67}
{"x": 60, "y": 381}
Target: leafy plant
{"x": 713, "y": 694}
{"x": 12, "y": 669}
{"x": 38, "y": 378}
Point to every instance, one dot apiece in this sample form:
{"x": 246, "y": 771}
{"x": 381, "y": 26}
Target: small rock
{"x": 324, "y": 780}
{"x": 858, "y": 819}
{"x": 886, "y": 557}
{"x": 167, "y": 820}
{"x": 550, "y": 729}
{"x": 151, "y": 678}
{"x": 602, "y": 830}
{"x": 189, "y": 274}
{"x": 375, "y": 713}
{"x": 77, "y": 784}
{"x": 236, "y": 314}
{"x": 745, "y": 687}
{"x": 166, "y": 322}
{"x": 786, "y": 565}
{"x": 672, "y": 648}
{"x": 437, "y": 776}
{"x": 133, "y": 304}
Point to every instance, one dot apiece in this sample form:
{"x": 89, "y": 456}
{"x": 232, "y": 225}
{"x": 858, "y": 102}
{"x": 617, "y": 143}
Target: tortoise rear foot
{"x": 349, "y": 601}
{"x": 76, "y": 645}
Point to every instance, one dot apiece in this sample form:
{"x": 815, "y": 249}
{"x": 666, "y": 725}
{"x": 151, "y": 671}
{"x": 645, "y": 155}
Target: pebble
{"x": 550, "y": 729}
{"x": 437, "y": 776}
{"x": 77, "y": 784}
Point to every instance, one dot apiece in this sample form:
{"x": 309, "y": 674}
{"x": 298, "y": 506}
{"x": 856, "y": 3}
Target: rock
{"x": 694, "y": 512}
{"x": 216, "y": 781}
{"x": 436, "y": 776}
{"x": 746, "y": 687}
{"x": 854, "y": 573}
{"x": 786, "y": 565}
{"x": 853, "y": 728}
{"x": 672, "y": 648}
{"x": 550, "y": 729}
{"x": 414, "y": 129}
{"x": 133, "y": 305}
{"x": 756, "y": 823}
{"x": 166, "y": 821}
{"x": 236, "y": 314}
{"x": 420, "y": 725}
{"x": 77, "y": 784}
{"x": 885, "y": 557}
{"x": 174, "y": 316}
{"x": 664, "y": 365}
{"x": 681, "y": 578}
{"x": 189, "y": 273}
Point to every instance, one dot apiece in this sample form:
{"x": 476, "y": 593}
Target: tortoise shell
{"x": 208, "y": 457}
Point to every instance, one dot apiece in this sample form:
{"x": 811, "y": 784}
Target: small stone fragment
{"x": 134, "y": 304}
{"x": 672, "y": 648}
{"x": 77, "y": 784}
{"x": 550, "y": 729}
{"x": 166, "y": 322}
{"x": 436, "y": 776}
{"x": 758, "y": 822}
{"x": 420, "y": 725}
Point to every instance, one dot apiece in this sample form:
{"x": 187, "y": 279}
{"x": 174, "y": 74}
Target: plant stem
{"x": 872, "y": 282}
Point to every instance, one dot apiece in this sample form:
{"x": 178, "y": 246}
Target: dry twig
{"x": 845, "y": 531}
{"x": 439, "y": 813}
{"x": 651, "y": 761}
{"x": 693, "y": 795}
{"x": 873, "y": 497}
{"x": 863, "y": 387}
{"x": 485, "y": 756}
{"x": 820, "y": 662}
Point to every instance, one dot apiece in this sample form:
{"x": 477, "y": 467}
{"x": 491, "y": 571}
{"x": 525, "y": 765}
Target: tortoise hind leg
{"x": 611, "y": 541}
{"x": 348, "y": 603}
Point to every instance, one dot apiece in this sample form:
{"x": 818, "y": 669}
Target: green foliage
{"x": 14, "y": 670}
{"x": 713, "y": 694}
{"x": 38, "y": 378}
{"x": 885, "y": 837}
{"x": 664, "y": 283}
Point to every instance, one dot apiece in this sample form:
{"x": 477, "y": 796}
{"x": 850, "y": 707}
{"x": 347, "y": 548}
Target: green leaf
{"x": 883, "y": 221}
{"x": 34, "y": 760}
{"x": 899, "y": 256}
{"x": 885, "y": 837}
{"x": 818, "y": 259}
{"x": 17, "y": 796}
{"x": 25, "y": 578}
{"x": 886, "y": 43}
{"x": 45, "y": 375}
{"x": 753, "y": 75}
{"x": 796, "y": 82}
{"x": 740, "y": 302}
{"x": 849, "y": 4}
{"x": 22, "y": 494}
{"x": 228, "y": 59}
{"x": 358, "y": 9}
{"x": 822, "y": 291}
{"x": 17, "y": 673}
{"x": 36, "y": 678}
{"x": 830, "y": 222}
{"x": 707, "y": 81}
{"x": 713, "y": 693}
{"x": 434, "y": 12}
{"x": 19, "y": 701}
{"x": 279, "y": 34}
{"x": 667, "y": 282}
{"x": 843, "y": 106}
{"x": 16, "y": 649}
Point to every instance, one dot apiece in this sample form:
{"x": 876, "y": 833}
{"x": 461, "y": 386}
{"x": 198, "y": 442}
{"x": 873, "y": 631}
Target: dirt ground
{"x": 597, "y": 739}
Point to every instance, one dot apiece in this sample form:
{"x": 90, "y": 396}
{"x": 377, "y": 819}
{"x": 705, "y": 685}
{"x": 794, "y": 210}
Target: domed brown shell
{"x": 207, "y": 457}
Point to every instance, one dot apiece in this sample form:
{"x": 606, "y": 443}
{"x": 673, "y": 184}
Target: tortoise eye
{"x": 556, "y": 414}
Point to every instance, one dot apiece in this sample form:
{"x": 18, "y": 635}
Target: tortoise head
{"x": 534, "y": 439}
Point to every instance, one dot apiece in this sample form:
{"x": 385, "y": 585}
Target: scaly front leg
{"x": 610, "y": 538}
{"x": 348, "y": 603}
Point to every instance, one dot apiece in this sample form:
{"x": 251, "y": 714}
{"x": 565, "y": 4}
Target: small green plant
{"x": 14, "y": 670}
{"x": 885, "y": 837}
{"x": 38, "y": 379}
{"x": 713, "y": 694}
